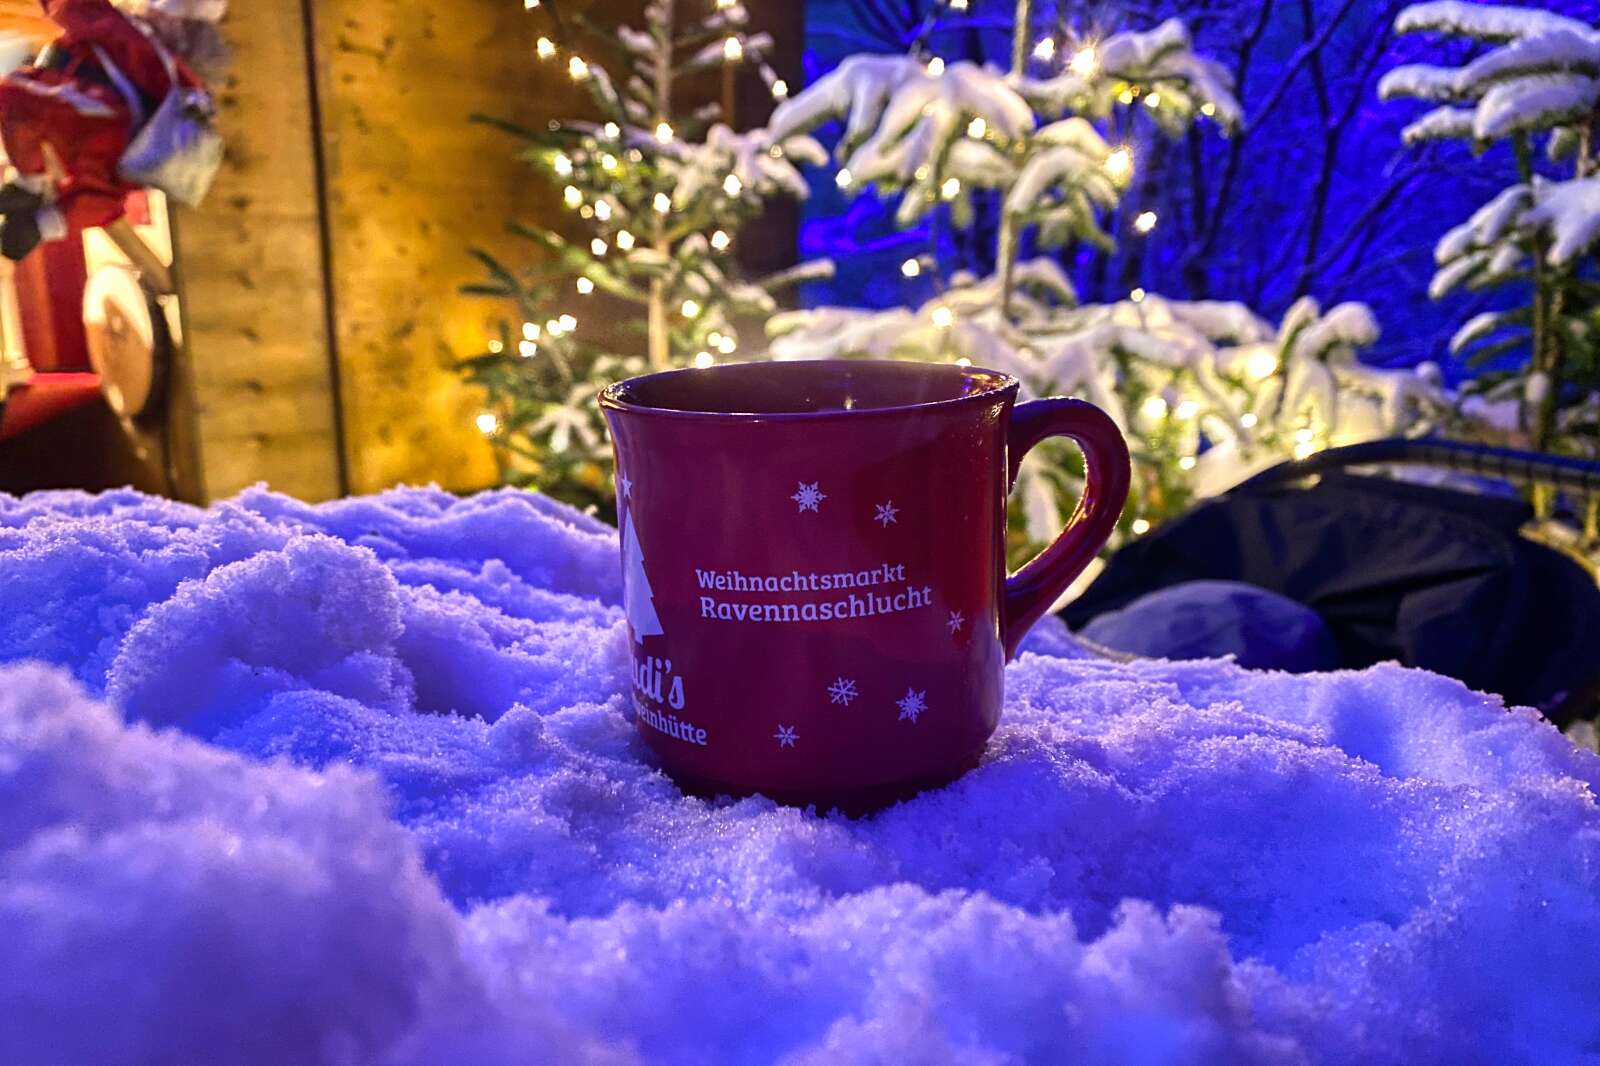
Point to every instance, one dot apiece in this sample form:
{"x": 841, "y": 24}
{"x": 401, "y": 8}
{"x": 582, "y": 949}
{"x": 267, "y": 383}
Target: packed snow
{"x": 356, "y": 783}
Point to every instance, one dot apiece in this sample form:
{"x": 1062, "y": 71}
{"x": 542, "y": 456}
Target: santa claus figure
{"x": 67, "y": 120}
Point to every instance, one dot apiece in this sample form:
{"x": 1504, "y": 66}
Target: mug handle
{"x": 1031, "y": 591}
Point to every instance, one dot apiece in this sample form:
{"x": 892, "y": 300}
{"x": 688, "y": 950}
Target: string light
{"x": 585, "y": 286}
{"x": 527, "y": 349}
{"x": 1187, "y": 409}
{"x": 568, "y": 323}
{"x": 561, "y": 164}
{"x": 1125, "y": 96}
{"x": 586, "y": 211}
{"x": 1208, "y": 109}
{"x": 723, "y": 5}
{"x": 1186, "y": 463}
{"x": 572, "y": 196}
{"x": 936, "y": 66}
{"x": 1140, "y": 527}
{"x": 703, "y": 360}
{"x": 663, "y": 133}
{"x": 963, "y": 361}
{"x": 1304, "y": 435}
{"x": 544, "y": 47}
{"x": 488, "y": 423}
{"x": 608, "y": 161}
{"x": 602, "y": 210}
{"x": 577, "y": 69}
{"x": 597, "y": 246}
{"x": 720, "y": 240}
{"x": 1045, "y": 50}
{"x": 1084, "y": 62}
{"x": 530, "y": 331}
{"x": 1248, "y": 420}
{"x": 780, "y": 89}
{"x": 732, "y": 185}
{"x": 732, "y": 50}
{"x": 977, "y": 128}
{"x": 1304, "y": 449}
{"x": 911, "y": 268}
{"x": 943, "y": 317}
{"x": 958, "y": 5}
{"x": 611, "y": 130}
{"x": 1137, "y": 296}
{"x": 529, "y": 5}
{"x": 496, "y": 347}
{"x": 950, "y": 189}
{"x": 625, "y": 240}
{"x": 1119, "y": 164}
{"x": 1154, "y": 407}
{"x": 1153, "y": 101}
{"x": 690, "y": 308}
{"x": 1145, "y": 222}
{"x": 1261, "y": 364}
{"x": 553, "y": 327}
{"x": 663, "y": 203}
{"x": 726, "y": 345}
{"x": 843, "y": 178}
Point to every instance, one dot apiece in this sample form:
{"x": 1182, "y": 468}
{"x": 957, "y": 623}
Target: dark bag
{"x": 1431, "y": 577}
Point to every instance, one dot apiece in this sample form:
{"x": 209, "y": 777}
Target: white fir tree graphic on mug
{"x": 637, "y": 596}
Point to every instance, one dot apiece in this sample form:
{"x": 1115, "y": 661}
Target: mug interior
{"x": 804, "y": 387}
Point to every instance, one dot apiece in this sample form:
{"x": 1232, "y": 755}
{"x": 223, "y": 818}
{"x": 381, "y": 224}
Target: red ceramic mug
{"x": 814, "y": 567}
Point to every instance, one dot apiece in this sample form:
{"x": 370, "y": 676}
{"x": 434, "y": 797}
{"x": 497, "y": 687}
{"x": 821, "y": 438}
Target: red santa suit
{"x": 72, "y": 106}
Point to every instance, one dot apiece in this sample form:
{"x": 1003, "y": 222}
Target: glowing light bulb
{"x": 977, "y": 128}
{"x": 585, "y": 286}
{"x": 611, "y": 130}
{"x": 597, "y": 246}
{"x": 1125, "y": 96}
{"x": 625, "y": 240}
{"x": 1119, "y": 164}
{"x": 568, "y": 323}
{"x": 496, "y": 347}
{"x": 602, "y": 209}
{"x": 726, "y": 345}
{"x": 936, "y": 66}
{"x": 663, "y": 203}
{"x": 963, "y": 361}
{"x": 720, "y": 240}
{"x": 1140, "y": 527}
{"x": 911, "y": 268}
{"x": 1084, "y": 62}
{"x": 1208, "y": 109}
{"x": 488, "y": 423}
{"x": 1187, "y": 409}
{"x": 553, "y": 327}
{"x": 1145, "y": 222}
{"x": 943, "y": 317}
{"x": 608, "y": 161}
{"x": 1153, "y": 101}
{"x": 577, "y": 69}
{"x": 1248, "y": 420}
{"x": 529, "y": 5}
{"x": 1137, "y": 296}
{"x": 703, "y": 360}
{"x": 780, "y": 89}
{"x": 1186, "y": 463}
{"x": 1304, "y": 449}
{"x": 1304, "y": 435}
{"x": 690, "y": 308}
{"x": 527, "y": 349}
{"x": 561, "y": 164}
{"x": 958, "y": 5}
{"x": 663, "y": 133}
{"x": 572, "y": 196}
{"x": 530, "y": 331}
{"x": 843, "y": 178}
{"x": 723, "y": 5}
{"x": 1153, "y": 407}
{"x": 544, "y": 47}
{"x": 732, "y": 50}
{"x": 732, "y": 185}
{"x": 1045, "y": 50}
{"x": 1261, "y": 364}
{"x": 950, "y": 189}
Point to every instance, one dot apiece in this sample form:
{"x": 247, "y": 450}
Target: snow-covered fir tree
{"x": 1209, "y": 390}
{"x": 1535, "y": 84}
{"x": 661, "y": 186}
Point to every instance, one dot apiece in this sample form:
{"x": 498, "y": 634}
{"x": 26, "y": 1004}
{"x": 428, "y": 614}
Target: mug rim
{"x": 611, "y": 397}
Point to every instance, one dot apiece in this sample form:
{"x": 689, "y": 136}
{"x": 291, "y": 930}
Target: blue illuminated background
{"x": 1317, "y": 196}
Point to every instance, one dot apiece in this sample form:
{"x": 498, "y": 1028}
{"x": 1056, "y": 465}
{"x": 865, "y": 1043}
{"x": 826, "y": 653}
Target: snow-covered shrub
{"x": 1535, "y": 83}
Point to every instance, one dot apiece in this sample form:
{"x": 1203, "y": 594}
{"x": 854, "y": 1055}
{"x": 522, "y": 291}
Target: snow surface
{"x": 319, "y": 863}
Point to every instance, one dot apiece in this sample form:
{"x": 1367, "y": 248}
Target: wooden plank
{"x": 257, "y": 381}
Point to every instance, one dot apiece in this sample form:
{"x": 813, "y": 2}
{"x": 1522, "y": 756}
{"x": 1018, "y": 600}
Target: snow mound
{"x": 395, "y": 813}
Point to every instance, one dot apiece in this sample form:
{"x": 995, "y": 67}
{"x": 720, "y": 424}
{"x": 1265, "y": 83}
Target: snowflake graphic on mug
{"x": 785, "y": 736}
{"x": 912, "y": 704}
{"x": 808, "y": 496}
{"x": 957, "y": 620}
{"x": 843, "y": 690}
{"x": 886, "y": 513}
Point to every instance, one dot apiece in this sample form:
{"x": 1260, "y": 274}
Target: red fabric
{"x": 45, "y": 397}
{"x": 96, "y": 22}
{"x": 86, "y": 125}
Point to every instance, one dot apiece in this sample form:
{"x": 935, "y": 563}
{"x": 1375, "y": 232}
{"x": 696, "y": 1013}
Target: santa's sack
{"x": 178, "y": 150}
